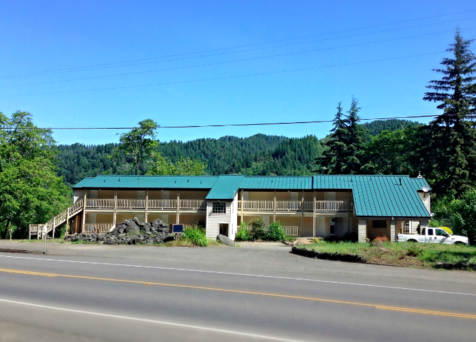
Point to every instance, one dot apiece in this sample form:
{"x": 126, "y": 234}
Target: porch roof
{"x": 379, "y": 196}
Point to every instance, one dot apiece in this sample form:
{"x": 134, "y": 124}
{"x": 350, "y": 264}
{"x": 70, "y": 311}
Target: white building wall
{"x": 425, "y": 197}
{"x": 78, "y": 194}
{"x": 214, "y": 219}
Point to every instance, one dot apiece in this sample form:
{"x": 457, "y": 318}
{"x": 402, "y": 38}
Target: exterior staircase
{"x": 49, "y": 227}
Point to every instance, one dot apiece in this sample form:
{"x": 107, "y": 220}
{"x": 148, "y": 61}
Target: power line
{"x": 237, "y": 125}
{"x": 104, "y": 65}
{"x": 225, "y": 77}
{"x": 234, "y": 61}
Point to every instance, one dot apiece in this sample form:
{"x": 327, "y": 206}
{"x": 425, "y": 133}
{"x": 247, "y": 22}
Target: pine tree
{"x": 345, "y": 148}
{"x": 450, "y": 151}
{"x": 333, "y": 159}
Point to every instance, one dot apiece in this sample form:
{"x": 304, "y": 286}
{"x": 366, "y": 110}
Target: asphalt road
{"x": 99, "y": 293}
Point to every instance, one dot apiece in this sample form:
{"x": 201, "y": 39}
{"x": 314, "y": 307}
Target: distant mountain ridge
{"x": 259, "y": 154}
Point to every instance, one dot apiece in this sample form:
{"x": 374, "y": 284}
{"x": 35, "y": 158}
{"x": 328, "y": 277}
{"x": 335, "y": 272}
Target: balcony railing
{"x": 332, "y": 206}
{"x": 289, "y": 230}
{"x": 163, "y": 204}
{"x": 321, "y": 206}
{"x": 131, "y": 203}
{"x": 154, "y": 204}
{"x": 256, "y": 205}
{"x": 193, "y": 204}
{"x": 99, "y": 203}
{"x": 97, "y": 227}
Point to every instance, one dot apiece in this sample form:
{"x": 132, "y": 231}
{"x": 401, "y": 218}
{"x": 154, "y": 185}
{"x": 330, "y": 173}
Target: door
{"x": 440, "y": 236}
{"x": 224, "y": 229}
{"x": 320, "y": 226}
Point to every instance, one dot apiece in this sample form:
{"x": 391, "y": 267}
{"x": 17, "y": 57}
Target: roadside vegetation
{"x": 407, "y": 254}
{"x": 257, "y": 230}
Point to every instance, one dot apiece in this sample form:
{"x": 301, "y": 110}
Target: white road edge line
{"x": 179, "y": 325}
{"x": 242, "y": 275}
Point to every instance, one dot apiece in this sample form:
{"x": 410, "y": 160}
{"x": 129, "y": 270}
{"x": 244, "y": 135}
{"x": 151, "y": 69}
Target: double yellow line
{"x": 375, "y": 306}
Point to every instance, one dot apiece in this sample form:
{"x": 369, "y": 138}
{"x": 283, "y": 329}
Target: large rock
{"x": 157, "y": 223}
{"x": 226, "y": 240}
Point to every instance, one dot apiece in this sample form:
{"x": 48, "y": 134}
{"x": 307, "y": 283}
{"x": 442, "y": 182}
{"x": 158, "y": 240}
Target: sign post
{"x": 45, "y": 235}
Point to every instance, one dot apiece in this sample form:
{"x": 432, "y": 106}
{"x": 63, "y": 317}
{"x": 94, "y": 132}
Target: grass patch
{"x": 422, "y": 255}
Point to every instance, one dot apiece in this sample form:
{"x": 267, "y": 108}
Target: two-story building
{"x": 321, "y": 205}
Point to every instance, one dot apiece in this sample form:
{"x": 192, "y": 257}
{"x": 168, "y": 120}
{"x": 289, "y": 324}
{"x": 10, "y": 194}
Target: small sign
{"x": 177, "y": 228}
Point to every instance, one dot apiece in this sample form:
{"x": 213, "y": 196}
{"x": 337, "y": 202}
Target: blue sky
{"x": 46, "y": 44}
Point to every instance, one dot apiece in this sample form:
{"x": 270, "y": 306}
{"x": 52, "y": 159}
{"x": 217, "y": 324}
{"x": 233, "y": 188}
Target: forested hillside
{"x": 257, "y": 155}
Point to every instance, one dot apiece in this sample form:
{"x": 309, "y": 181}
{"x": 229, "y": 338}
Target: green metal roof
{"x": 374, "y": 195}
{"x": 380, "y": 196}
{"x": 225, "y": 187}
{"x": 147, "y": 182}
{"x": 277, "y": 182}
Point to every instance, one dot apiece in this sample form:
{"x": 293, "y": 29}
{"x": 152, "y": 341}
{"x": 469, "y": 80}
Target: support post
{"x": 274, "y": 207}
{"x": 314, "y": 213}
{"x": 302, "y": 213}
{"x": 362, "y": 231}
{"x": 29, "y": 232}
{"x": 54, "y": 224}
{"x": 84, "y": 211}
{"x": 146, "y": 205}
{"x": 392, "y": 230}
{"x": 115, "y": 208}
{"x": 349, "y": 213}
{"x": 177, "y": 219}
{"x": 242, "y": 205}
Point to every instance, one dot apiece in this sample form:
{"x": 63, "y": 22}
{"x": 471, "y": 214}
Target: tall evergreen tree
{"x": 345, "y": 147}
{"x": 333, "y": 160}
{"x": 449, "y": 151}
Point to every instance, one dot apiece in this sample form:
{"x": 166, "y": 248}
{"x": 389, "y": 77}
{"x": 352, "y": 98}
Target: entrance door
{"x": 320, "y": 226}
{"x": 224, "y": 229}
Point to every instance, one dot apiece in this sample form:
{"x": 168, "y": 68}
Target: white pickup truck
{"x": 433, "y": 235}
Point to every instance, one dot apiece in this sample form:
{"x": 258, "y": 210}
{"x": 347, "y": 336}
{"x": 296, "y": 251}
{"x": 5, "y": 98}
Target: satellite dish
{"x": 425, "y": 189}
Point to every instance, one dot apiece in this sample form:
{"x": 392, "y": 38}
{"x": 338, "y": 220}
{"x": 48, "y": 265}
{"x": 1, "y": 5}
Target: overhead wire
{"x": 113, "y": 65}
{"x": 222, "y": 78}
{"x": 236, "y": 125}
{"x": 232, "y": 61}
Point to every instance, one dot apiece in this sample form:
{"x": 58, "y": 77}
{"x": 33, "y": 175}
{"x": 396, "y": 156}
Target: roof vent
{"x": 119, "y": 180}
{"x": 419, "y": 175}
{"x": 175, "y": 181}
{"x": 400, "y": 181}
{"x": 188, "y": 180}
{"x": 104, "y": 181}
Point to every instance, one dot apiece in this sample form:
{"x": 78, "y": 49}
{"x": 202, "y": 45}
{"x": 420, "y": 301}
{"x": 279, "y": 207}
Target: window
{"x": 440, "y": 232}
{"x": 430, "y": 231}
{"x": 379, "y": 224}
{"x": 219, "y": 208}
{"x": 406, "y": 227}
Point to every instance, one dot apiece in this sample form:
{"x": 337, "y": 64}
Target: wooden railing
{"x": 193, "y": 204}
{"x": 331, "y": 206}
{"x": 280, "y": 205}
{"x": 56, "y": 221}
{"x": 99, "y": 203}
{"x": 163, "y": 204}
{"x": 131, "y": 203}
{"x": 289, "y": 230}
{"x": 256, "y": 205}
{"x": 97, "y": 227}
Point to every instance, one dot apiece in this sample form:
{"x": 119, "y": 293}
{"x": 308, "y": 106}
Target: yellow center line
{"x": 376, "y": 306}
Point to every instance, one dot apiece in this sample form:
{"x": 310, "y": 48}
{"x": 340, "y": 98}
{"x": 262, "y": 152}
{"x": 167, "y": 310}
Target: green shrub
{"x": 275, "y": 232}
{"x": 434, "y": 223}
{"x": 464, "y": 215}
{"x": 196, "y": 235}
{"x": 243, "y": 234}
{"x": 258, "y": 229}
{"x": 414, "y": 250}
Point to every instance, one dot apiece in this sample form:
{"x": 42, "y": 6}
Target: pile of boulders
{"x": 129, "y": 232}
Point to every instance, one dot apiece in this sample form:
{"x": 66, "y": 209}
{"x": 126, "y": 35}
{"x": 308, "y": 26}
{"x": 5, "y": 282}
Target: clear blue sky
{"x": 41, "y": 36}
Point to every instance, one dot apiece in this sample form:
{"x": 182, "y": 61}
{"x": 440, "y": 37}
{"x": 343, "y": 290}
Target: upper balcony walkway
{"x": 289, "y": 206}
{"x": 152, "y": 205}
